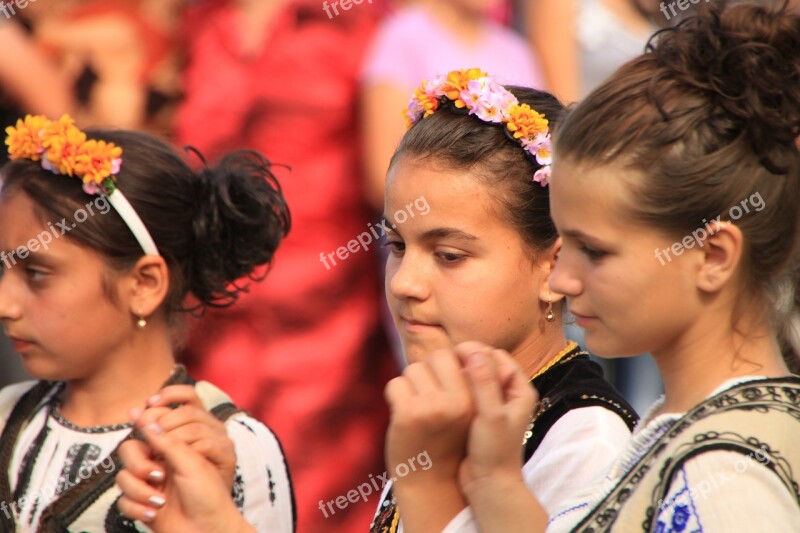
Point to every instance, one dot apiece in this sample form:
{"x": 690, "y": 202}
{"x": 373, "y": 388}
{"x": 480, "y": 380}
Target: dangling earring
{"x": 550, "y": 316}
{"x": 141, "y": 323}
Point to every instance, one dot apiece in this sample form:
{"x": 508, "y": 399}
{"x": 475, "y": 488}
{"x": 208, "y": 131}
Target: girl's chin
{"x": 416, "y": 351}
{"x": 608, "y": 348}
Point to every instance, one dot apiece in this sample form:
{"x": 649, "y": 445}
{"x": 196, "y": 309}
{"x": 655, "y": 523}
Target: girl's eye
{"x": 34, "y": 275}
{"x": 396, "y": 247}
{"x": 592, "y": 253}
{"x": 450, "y": 257}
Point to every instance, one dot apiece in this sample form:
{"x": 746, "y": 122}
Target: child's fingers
{"x": 397, "y": 391}
{"x": 138, "y": 491}
{"x": 135, "y": 510}
{"x": 421, "y": 378}
{"x": 175, "y": 394}
{"x": 515, "y": 384}
{"x": 136, "y": 456}
{"x": 464, "y": 349}
{"x": 182, "y": 459}
{"x": 172, "y": 419}
{"x": 484, "y": 382}
{"x": 216, "y": 448}
{"x": 446, "y": 367}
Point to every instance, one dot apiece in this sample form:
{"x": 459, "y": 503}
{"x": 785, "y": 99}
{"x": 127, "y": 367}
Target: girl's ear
{"x": 547, "y": 262}
{"x": 721, "y": 256}
{"x": 147, "y": 285}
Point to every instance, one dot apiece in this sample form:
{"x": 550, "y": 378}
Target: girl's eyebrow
{"x": 448, "y": 233}
{"x": 577, "y": 234}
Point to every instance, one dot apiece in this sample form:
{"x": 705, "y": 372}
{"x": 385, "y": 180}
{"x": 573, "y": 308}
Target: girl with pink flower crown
{"x": 476, "y": 267}
{"x": 103, "y": 236}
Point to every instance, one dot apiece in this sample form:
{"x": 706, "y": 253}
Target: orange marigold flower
{"x": 427, "y": 103}
{"x": 525, "y": 122}
{"x": 95, "y": 160}
{"x": 457, "y": 81}
{"x": 24, "y": 140}
{"x": 61, "y": 141}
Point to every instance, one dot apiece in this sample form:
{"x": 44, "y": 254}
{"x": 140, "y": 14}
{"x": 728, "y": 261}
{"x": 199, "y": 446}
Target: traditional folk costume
{"x": 59, "y": 477}
{"x": 729, "y": 464}
{"x": 579, "y": 427}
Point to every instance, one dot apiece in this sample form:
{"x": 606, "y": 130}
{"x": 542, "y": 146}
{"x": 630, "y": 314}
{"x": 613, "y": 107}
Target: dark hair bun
{"x": 241, "y": 218}
{"x": 748, "y": 57}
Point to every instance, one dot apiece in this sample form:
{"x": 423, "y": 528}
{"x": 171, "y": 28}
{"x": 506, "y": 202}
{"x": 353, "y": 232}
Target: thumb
{"x": 486, "y": 388}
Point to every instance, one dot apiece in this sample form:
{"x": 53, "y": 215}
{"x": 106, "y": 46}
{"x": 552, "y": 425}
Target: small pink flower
{"x": 542, "y": 176}
{"x": 91, "y": 188}
{"x": 116, "y": 164}
{"x": 47, "y": 165}
{"x": 544, "y": 153}
{"x": 435, "y": 87}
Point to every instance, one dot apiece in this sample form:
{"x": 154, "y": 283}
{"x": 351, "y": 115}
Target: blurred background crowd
{"x": 318, "y": 88}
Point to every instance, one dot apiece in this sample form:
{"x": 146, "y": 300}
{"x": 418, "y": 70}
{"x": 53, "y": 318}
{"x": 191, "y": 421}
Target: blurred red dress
{"x": 303, "y": 350}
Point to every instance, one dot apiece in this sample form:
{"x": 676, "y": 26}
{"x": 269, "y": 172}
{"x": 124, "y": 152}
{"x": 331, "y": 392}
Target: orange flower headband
{"x": 64, "y": 149}
{"x": 474, "y": 91}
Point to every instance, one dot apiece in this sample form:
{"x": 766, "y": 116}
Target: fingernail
{"x": 155, "y": 428}
{"x": 135, "y": 413}
{"x": 149, "y": 515}
{"x": 156, "y": 475}
{"x": 153, "y": 399}
{"x": 157, "y": 501}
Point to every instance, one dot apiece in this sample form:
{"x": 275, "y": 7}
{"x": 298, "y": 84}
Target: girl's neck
{"x": 710, "y": 354}
{"x": 466, "y": 26}
{"x": 541, "y": 349}
{"x": 126, "y": 379}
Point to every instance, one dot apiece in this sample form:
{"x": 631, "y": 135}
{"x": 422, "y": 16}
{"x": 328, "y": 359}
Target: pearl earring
{"x": 550, "y": 316}
{"x": 141, "y": 323}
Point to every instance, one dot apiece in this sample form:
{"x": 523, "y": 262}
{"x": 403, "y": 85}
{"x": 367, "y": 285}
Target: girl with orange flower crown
{"x": 474, "y": 268}
{"x": 92, "y": 301}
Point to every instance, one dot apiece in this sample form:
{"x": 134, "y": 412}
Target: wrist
{"x": 429, "y": 507}
{"x": 504, "y": 504}
{"x": 498, "y": 482}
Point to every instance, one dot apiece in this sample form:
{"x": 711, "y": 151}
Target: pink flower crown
{"x": 474, "y": 91}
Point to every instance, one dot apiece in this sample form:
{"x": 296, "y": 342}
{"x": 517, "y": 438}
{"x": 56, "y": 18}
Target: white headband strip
{"x": 137, "y": 227}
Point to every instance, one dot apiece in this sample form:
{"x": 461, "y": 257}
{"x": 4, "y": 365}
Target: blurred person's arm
{"x": 31, "y": 81}
{"x": 550, "y": 27}
{"x": 382, "y": 126}
{"x": 112, "y": 45}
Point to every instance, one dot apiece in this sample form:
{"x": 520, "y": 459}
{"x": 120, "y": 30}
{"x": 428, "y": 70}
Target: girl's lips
{"x": 583, "y": 320}
{"x": 415, "y": 326}
{"x": 19, "y": 345}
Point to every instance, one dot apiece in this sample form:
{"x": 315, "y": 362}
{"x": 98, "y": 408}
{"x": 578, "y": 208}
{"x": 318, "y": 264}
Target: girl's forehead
{"x": 451, "y": 198}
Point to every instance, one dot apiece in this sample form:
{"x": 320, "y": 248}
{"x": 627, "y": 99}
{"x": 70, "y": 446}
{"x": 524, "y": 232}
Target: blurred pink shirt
{"x": 412, "y": 46}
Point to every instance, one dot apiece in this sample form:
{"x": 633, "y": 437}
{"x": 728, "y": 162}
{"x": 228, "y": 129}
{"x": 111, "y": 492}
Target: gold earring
{"x": 550, "y": 316}
{"x": 141, "y": 323}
